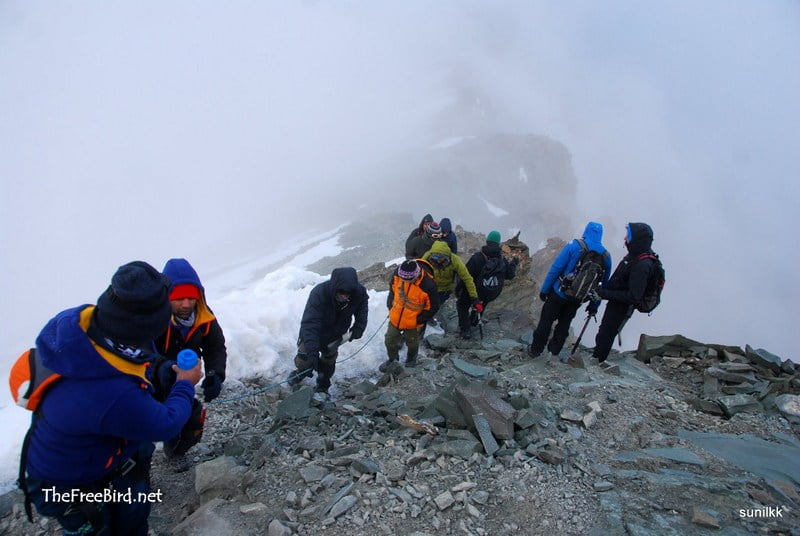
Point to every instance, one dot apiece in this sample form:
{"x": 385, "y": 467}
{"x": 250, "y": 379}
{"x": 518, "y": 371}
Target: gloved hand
{"x": 543, "y": 296}
{"x": 592, "y": 307}
{"x": 356, "y": 333}
{"x": 593, "y": 296}
{"x": 212, "y": 385}
{"x": 477, "y": 305}
{"x": 312, "y": 360}
{"x": 163, "y": 377}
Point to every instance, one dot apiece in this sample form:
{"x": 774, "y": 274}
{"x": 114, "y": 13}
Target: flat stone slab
{"x": 734, "y": 404}
{"x": 677, "y": 455}
{"x": 469, "y": 369}
{"x": 658, "y": 345}
{"x": 764, "y": 458}
{"x": 477, "y": 399}
{"x": 295, "y": 406}
{"x": 763, "y": 358}
{"x": 485, "y": 433}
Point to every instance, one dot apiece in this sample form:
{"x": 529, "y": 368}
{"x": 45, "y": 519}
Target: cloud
{"x": 153, "y": 130}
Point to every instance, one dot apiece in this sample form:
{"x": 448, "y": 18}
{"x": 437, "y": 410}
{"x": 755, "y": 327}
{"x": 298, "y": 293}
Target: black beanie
{"x": 135, "y": 308}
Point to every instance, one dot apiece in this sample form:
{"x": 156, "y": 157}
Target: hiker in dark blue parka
{"x": 557, "y": 306}
{"x": 331, "y": 308}
{"x": 101, "y": 417}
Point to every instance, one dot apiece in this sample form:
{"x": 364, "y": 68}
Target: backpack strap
{"x": 22, "y": 481}
{"x": 582, "y": 243}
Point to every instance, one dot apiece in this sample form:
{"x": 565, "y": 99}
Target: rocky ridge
{"x": 677, "y": 437}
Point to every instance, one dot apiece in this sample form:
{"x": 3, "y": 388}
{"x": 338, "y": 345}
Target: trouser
{"x": 614, "y": 316}
{"x": 561, "y": 311}
{"x": 463, "y": 303}
{"x": 325, "y": 367}
{"x": 125, "y": 512}
{"x": 394, "y": 339}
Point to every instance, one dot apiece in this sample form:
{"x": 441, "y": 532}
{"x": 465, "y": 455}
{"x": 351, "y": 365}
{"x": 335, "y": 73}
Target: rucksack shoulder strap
{"x": 582, "y": 244}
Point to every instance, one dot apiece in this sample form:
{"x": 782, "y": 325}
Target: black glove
{"x": 356, "y": 333}
{"x": 212, "y": 385}
{"x": 592, "y": 307}
{"x": 312, "y": 360}
{"x": 163, "y": 377}
{"x": 543, "y": 296}
{"x": 593, "y": 296}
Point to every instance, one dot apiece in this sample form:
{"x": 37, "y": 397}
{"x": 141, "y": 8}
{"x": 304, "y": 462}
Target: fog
{"x": 215, "y": 131}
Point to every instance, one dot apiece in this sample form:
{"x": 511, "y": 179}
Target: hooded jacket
{"x": 325, "y": 320}
{"x": 417, "y": 232}
{"x": 571, "y": 254}
{"x": 205, "y": 337}
{"x": 446, "y": 278}
{"x": 449, "y": 235}
{"x": 476, "y": 263}
{"x": 102, "y": 409}
{"x": 629, "y": 281}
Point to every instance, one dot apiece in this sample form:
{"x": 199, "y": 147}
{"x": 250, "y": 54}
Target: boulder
{"x": 477, "y": 399}
{"x": 659, "y": 345}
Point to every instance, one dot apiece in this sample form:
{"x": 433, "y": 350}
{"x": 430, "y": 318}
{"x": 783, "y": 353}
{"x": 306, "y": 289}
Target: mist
{"x": 217, "y": 132}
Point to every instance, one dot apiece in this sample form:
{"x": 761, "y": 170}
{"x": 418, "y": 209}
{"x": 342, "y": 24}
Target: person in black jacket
{"x": 489, "y": 287}
{"x": 418, "y": 231}
{"x": 626, "y": 288}
{"x": 419, "y": 245}
{"x": 448, "y": 235}
{"x": 331, "y": 308}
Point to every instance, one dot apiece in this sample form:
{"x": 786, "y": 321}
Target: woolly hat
{"x": 186, "y": 290}
{"x": 434, "y": 229}
{"x": 493, "y": 236}
{"x": 409, "y": 270}
{"x": 135, "y": 308}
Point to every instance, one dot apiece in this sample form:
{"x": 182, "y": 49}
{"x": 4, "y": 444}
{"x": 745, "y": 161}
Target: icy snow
{"x": 497, "y": 211}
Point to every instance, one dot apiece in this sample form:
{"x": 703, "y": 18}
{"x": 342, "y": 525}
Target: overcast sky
{"x": 147, "y": 130}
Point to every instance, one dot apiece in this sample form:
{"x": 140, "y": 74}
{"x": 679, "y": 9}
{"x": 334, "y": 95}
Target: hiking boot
{"x": 533, "y": 354}
{"x": 385, "y": 365}
{"x": 321, "y": 394}
{"x": 296, "y": 377}
{"x": 178, "y": 464}
{"x": 410, "y": 363}
{"x": 466, "y": 334}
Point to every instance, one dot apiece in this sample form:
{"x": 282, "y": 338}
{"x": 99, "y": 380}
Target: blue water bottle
{"x": 187, "y": 359}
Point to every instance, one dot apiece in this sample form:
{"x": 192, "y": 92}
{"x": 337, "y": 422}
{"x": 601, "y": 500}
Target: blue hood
{"x": 180, "y": 272}
{"x": 593, "y": 236}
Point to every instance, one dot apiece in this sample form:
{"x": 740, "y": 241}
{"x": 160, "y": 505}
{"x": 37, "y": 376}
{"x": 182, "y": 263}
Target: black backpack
{"x": 586, "y": 275}
{"x": 492, "y": 277}
{"x": 655, "y": 284}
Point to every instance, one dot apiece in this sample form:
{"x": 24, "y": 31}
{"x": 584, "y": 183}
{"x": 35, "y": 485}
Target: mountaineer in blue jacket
{"x": 331, "y": 308}
{"x": 558, "y": 307}
{"x": 95, "y": 427}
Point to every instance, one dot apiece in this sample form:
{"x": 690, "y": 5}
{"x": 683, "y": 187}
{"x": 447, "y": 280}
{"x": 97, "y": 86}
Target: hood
{"x": 427, "y": 218}
{"x": 446, "y": 226}
{"x": 180, "y": 272}
{"x": 440, "y": 246}
{"x": 641, "y": 238}
{"x": 491, "y": 249}
{"x": 65, "y": 348}
{"x": 593, "y": 235}
{"x": 344, "y": 279}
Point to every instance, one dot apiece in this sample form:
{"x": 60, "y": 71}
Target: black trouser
{"x": 326, "y": 366}
{"x": 463, "y": 303}
{"x": 555, "y": 309}
{"x": 613, "y": 317}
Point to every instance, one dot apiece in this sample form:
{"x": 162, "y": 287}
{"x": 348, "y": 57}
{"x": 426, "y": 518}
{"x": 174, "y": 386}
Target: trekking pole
{"x": 624, "y": 321}
{"x": 480, "y": 324}
{"x": 575, "y": 346}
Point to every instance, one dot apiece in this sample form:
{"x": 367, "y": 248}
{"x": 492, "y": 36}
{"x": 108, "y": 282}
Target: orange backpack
{"x": 29, "y": 380}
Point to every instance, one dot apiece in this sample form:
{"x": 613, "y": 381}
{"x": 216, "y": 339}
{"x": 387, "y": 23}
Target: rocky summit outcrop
{"x": 678, "y": 437}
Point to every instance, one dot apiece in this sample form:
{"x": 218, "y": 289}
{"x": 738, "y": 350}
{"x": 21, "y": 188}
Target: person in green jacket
{"x": 447, "y": 268}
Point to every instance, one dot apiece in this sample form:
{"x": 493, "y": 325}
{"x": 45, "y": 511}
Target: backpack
{"x": 586, "y": 275}
{"x": 655, "y": 284}
{"x": 29, "y": 379}
{"x": 492, "y": 277}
